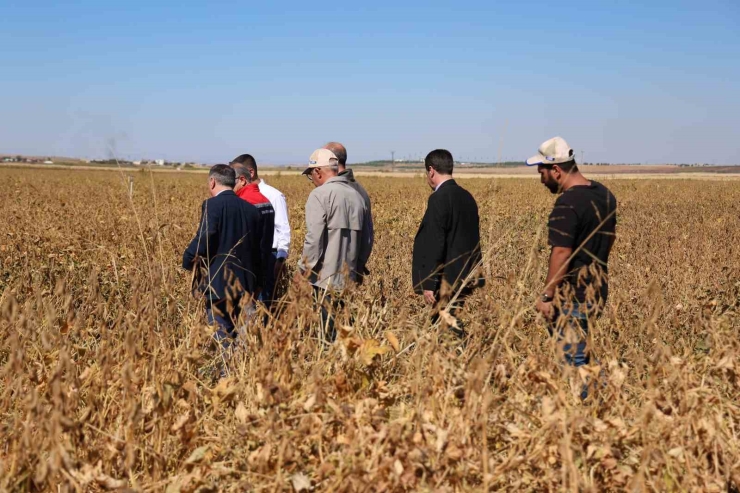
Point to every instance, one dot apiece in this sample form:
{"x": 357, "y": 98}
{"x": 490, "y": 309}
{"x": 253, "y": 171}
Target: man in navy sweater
{"x": 228, "y": 243}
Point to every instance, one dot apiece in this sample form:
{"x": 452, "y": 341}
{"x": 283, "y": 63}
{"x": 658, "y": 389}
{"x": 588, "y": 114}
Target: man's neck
{"x": 442, "y": 179}
{"x": 218, "y": 190}
{"x": 575, "y": 179}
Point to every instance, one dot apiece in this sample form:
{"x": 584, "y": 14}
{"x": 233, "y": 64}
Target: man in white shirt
{"x": 281, "y": 238}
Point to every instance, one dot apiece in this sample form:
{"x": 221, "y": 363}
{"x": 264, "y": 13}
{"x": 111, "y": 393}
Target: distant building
{"x": 159, "y": 162}
{"x": 48, "y": 161}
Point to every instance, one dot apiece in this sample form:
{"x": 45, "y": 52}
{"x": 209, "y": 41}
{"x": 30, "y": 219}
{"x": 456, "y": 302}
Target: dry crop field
{"x": 106, "y": 379}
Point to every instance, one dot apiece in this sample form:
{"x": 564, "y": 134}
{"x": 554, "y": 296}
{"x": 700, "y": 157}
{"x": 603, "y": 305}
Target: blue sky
{"x": 638, "y": 82}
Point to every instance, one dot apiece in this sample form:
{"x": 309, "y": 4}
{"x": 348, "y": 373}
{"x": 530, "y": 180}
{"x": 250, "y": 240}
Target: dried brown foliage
{"x": 105, "y": 360}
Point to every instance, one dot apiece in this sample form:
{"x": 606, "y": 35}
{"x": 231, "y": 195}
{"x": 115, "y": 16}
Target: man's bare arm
{"x": 557, "y": 269}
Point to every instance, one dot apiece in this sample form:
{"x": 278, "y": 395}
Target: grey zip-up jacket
{"x": 369, "y": 237}
{"x": 335, "y": 224}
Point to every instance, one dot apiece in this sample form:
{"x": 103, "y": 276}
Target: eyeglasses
{"x": 309, "y": 175}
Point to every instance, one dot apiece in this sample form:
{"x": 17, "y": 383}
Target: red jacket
{"x": 251, "y": 193}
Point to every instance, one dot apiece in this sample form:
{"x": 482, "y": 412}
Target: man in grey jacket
{"x": 334, "y": 251}
{"x": 341, "y": 153}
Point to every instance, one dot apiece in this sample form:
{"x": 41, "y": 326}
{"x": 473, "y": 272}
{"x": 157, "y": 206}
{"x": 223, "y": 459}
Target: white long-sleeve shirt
{"x": 281, "y": 239}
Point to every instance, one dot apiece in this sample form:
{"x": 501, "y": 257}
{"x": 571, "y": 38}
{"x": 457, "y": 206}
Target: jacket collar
{"x": 247, "y": 189}
{"x": 348, "y": 173}
{"x": 337, "y": 179}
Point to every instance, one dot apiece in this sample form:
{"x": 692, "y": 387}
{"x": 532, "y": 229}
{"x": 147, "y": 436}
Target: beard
{"x": 553, "y": 186}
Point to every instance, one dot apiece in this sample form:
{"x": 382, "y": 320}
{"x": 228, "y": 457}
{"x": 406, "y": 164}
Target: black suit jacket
{"x": 228, "y": 239}
{"x": 447, "y": 245}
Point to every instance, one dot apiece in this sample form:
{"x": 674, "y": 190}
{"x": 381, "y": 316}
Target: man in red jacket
{"x": 249, "y": 191}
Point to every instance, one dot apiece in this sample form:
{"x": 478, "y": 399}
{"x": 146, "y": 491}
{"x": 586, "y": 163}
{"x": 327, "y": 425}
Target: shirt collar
{"x": 438, "y": 186}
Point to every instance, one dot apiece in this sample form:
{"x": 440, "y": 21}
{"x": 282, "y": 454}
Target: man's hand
{"x": 546, "y": 309}
{"x": 429, "y": 297}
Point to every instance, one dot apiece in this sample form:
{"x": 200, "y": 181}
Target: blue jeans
{"x": 268, "y": 291}
{"x": 574, "y": 317}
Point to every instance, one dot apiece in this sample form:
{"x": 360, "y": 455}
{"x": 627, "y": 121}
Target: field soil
{"x": 109, "y": 379}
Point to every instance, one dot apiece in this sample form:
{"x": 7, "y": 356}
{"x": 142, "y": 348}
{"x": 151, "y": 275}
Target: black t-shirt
{"x": 585, "y": 218}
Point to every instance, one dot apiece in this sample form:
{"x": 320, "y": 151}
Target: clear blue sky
{"x": 650, "y": 82}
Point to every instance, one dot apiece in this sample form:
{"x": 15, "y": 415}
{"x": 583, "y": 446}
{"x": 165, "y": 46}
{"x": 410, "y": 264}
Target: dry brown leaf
{"x": 370, "y": 350}
{"x": 308, "y": 405}
{"x": 198, "y": 455}
{"x": 181, "y": 421}
{"x": 300, "y": 482}
{"x": 109, "y": 483}
{"x": 393, "y": 340}
{"x": 448, "y": 318}
{"x": 241, "y": 413}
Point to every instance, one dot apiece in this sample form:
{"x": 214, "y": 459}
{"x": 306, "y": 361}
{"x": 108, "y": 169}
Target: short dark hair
{"x": 223, "y": 174}
{"x": 247, "y": 160}
{"x": 440, "y": 160}
{"x": 569, "y": 166}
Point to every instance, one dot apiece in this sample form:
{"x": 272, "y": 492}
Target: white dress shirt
{"x": 435, "y": 188}
{"x": 281, "y": 241}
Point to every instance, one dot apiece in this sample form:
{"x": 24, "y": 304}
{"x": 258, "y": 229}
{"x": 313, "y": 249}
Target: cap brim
{"x": 535, "y": 160}
{"x": 306, "y": 171}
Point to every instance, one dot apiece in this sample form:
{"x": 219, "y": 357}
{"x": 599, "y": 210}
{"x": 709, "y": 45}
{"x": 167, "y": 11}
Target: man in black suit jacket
{"x": 447, "y": 245}
{"x": 228, "y": 241}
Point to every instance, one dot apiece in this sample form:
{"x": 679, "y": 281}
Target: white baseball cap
{"x": 553, "y": 151}
{"x": 321, "y": 158}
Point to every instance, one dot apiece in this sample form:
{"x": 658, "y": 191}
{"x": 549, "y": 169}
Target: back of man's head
{"x": 440, "y": 160}
{"x": 339, "y": 151}
{"x": 223, "y": 174}
{"x": 241, "y": 170}
{"x": 247, "y": 161}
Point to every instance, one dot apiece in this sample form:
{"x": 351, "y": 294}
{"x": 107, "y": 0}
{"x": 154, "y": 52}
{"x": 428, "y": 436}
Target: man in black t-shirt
{"x": 582, "y": 228}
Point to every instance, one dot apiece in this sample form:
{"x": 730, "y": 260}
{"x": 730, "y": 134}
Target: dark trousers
{"x": 224, "y": 315}
{"x": 328, "y": 306}
{"x": 459, "y": 331}
{"x": 267, "y": 296}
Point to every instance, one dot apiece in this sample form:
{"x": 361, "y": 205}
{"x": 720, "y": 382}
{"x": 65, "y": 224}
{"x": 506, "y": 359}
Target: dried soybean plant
{"x": 106, "y": 365}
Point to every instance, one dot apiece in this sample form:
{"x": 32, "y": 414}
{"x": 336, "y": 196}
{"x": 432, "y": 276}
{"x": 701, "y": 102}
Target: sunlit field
{"x": 108, "y": 378}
